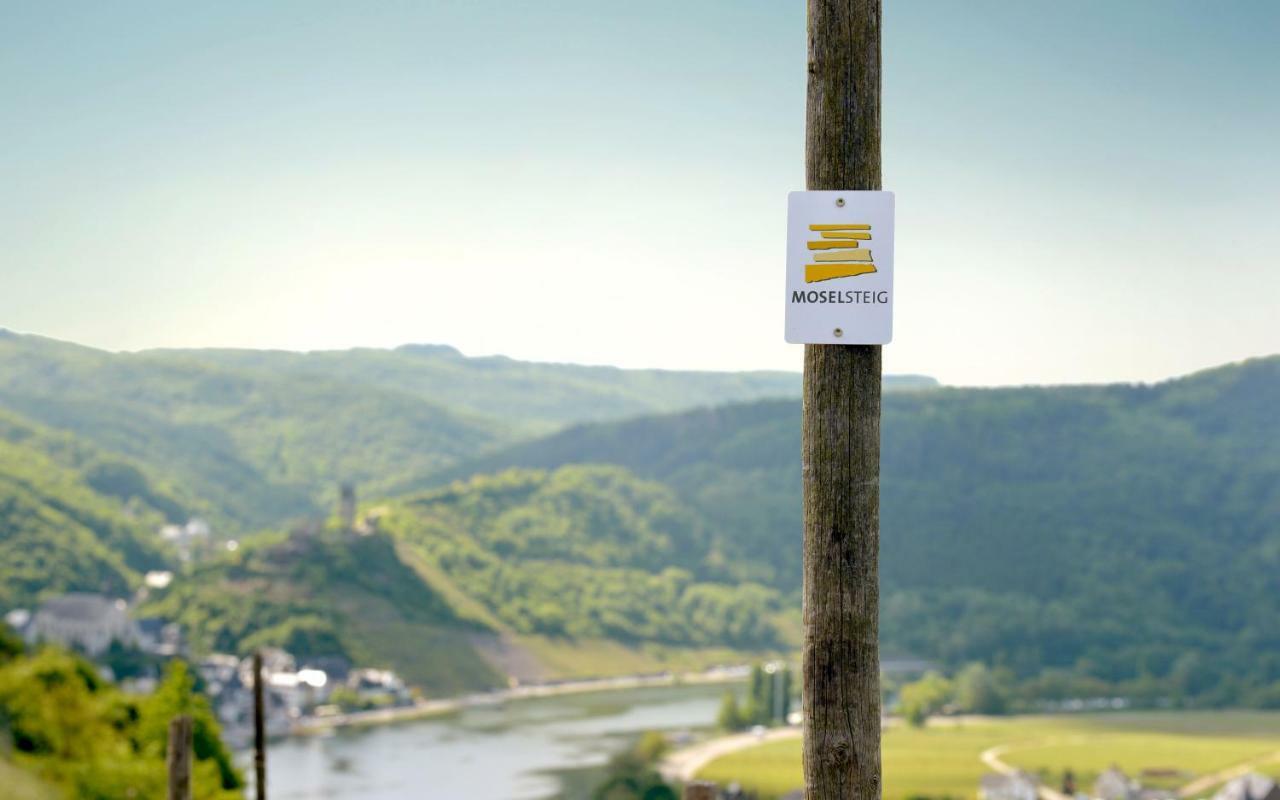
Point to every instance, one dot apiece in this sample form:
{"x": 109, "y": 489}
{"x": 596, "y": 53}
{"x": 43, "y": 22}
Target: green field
{"x": 944, "y": 759}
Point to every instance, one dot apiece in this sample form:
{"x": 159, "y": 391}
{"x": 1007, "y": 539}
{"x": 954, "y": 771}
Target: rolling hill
{"x": 1120, "y": 532}
{"x": 261, "y": 437}
{"x": 71, "y": 517}
{"x": 1127, "y": 535}
{"x": 437, "y": 584}
{"x": 586, "y": 552}
{"x": 256, "y": 446}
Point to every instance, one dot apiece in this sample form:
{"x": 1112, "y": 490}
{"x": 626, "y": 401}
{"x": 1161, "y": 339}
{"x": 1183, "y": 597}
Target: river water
{"x": 521, "y": 750}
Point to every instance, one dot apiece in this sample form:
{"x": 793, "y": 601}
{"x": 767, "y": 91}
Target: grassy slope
{"x": 335, "y": 594}
{"x": 560, "y": 658}
{"x": 943, "y": 760}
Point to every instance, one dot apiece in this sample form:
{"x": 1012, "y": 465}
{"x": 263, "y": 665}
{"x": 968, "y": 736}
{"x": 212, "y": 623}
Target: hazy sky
{"x": 1086, "y": 191}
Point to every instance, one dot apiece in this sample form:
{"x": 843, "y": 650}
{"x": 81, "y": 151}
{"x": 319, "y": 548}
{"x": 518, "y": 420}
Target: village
{"x": 132, "y": 652}
{"x": 1114, "y": 784}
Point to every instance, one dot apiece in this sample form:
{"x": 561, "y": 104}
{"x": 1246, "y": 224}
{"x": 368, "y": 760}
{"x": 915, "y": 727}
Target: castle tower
{"x": 347, "y": 507}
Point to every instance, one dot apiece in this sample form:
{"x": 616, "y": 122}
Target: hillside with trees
{"x": 587, "y": 552}
{"x": 72, "y": 518}
{"x": 1117, "y": 538}
{"x": 257, "y": 447}
{"x": 1125, "y": 535}
{"x": 579, "y": 554}
{"x": 261, "y": 437}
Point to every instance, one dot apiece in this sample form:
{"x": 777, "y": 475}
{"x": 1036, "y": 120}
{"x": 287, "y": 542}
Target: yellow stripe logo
{"x": 838, "y": 253}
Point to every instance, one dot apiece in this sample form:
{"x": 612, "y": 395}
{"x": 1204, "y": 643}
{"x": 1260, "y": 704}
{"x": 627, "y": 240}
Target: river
{"x": 520, "y": 750}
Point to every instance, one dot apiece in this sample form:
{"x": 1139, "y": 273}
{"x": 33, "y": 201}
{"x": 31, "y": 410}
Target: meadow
{"x": 944, "y": 760}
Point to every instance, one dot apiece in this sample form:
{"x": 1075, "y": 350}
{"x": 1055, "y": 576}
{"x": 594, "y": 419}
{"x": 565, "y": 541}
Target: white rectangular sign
{"x": 840, "y": 267}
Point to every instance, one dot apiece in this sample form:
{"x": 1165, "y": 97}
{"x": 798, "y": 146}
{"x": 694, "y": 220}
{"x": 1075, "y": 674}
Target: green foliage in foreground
{"x": 943, "y": 758}
{"x": 330, "y": 594}
{"x": 83, "y": 735}
{"x": 586, "y": 552}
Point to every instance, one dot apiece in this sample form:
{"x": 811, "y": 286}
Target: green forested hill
{"x": 1129, "y": 533}
{"x": 578, "y": 554}
{"x": 257, "y": 446}
{"x": 737, "y": 465}
{"x": 262, "y": 436}
{"x": 72, "y": 518}
{"x": 586, "y": 551}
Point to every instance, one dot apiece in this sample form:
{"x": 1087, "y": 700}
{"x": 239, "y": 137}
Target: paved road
{"x": 1206, "y": 782}
{"x": 991, "y": 757}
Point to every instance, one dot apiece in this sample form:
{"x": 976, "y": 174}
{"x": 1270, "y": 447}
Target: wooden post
{"x": 841, "y": 436}
{"x": 179, "y": 757}
{"x": 259, "y": 730}
{"x": 699, "y": 790}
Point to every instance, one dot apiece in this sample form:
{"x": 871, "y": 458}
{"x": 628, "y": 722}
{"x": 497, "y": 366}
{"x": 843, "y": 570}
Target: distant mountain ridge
{"x": 266, "y": 435}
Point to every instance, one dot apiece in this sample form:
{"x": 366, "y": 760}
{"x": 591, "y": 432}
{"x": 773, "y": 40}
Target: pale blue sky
{"x": 1087, "y": 191}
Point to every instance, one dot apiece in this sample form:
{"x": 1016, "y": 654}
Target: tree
{"x": 176, "y": 695}
{"x": 730, "y": 716}
{"x": 925, "y": 697}
{"x": 978, "y": 690}
{"x": 11, "y": 645}
{"x": 787, "y": 685}
{"x": 632, "y": 774}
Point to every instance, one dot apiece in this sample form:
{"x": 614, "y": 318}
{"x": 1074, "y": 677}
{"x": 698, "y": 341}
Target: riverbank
{"x": 424, "y": 709}
{"x": 551, "y": 746}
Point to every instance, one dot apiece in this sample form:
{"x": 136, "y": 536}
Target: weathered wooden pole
{"x": 178, "y": 757}
{"x": 699, "y": 790}
{"x": 259, "y": 730}
{"x": 841, "y": 436}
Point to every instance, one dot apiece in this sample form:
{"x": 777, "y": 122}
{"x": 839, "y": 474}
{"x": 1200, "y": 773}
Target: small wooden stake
{"x": 179, "y": 757}
{"x": 699, "y": 790}
{"x": 259, "y": 730}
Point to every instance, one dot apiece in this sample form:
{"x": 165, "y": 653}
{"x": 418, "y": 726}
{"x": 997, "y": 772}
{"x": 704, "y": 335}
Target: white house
{"x": 1013, "y": 786}
{"x": 87, "y": 622}
{"x": 1113, "y": 784}
{"x": 1253, "y": 786}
